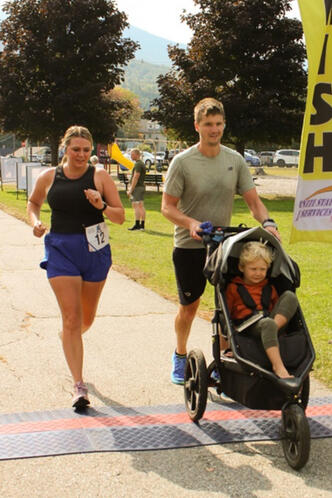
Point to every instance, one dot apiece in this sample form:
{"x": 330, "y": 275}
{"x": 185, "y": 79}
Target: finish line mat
{"x": 118, "y": 428}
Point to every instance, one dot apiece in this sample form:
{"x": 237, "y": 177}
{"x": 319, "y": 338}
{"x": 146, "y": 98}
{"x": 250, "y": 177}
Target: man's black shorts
{"x": 191, "y": 282}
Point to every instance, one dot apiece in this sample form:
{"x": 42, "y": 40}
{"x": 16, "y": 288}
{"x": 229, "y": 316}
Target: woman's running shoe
{"x": 80, "y": 397}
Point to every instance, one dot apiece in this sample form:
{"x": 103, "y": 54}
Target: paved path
{"x": 127, "y": 362}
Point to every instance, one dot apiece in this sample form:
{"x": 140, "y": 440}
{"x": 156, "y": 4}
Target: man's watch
{"x": 104, "y": 207}
{"x": 269, "y": 222}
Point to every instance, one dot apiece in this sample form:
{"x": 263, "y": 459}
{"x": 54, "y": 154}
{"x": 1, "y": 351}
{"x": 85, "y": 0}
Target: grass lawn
{"x": 146, "y": 258}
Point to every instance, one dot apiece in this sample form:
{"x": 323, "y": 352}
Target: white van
{"x": 286, "y": 157}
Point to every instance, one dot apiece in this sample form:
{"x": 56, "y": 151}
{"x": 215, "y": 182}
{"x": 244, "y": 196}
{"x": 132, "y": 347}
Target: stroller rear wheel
{"x": 195, "y": 384}
{"x": 295, "y": 436}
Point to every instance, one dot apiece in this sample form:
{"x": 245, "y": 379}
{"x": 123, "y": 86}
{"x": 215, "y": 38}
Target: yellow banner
{"x": 313, "y": 203}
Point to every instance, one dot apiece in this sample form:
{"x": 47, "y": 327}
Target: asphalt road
{"x": 127, "y": 363}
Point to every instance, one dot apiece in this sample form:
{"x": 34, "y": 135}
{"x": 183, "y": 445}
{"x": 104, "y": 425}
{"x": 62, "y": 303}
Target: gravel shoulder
{"x": 275, "y": 185}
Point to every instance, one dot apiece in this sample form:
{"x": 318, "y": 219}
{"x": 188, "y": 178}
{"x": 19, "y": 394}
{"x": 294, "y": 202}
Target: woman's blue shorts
{"x": 69, "y": 255}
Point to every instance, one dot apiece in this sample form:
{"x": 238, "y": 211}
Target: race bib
{"x": 97, "y": 236}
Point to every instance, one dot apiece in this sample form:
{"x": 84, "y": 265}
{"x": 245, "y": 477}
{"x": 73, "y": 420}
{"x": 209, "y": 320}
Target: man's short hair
{"x": 136, "y": 151}
{"x": 206, "y": 107}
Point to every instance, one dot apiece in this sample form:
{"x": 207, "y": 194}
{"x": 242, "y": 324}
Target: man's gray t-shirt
{"x": 206, "y": 188}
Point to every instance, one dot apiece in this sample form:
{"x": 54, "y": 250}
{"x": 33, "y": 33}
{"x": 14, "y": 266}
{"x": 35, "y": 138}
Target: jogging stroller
{"x": 247, "y": 377}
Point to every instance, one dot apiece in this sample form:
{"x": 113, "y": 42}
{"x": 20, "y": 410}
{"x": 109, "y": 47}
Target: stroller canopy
{"x": 217, "y": 264}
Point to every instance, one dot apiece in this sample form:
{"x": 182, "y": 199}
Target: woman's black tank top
{"x": 71, "y": 211}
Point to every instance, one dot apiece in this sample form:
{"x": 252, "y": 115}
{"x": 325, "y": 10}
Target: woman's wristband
{"x": 104, "y": 207}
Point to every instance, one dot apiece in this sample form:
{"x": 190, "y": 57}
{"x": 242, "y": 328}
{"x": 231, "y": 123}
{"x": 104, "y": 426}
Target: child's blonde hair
{"x": 254, "y": 250}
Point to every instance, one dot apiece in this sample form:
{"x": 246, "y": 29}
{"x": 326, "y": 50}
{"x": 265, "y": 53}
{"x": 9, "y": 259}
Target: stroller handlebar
{"x": 216, "y": 234}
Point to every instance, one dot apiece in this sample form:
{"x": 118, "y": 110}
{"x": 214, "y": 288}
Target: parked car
{"x": 46, "y": 157}
{"x": 146, "y": 157}
{"x": 43, "y": 156}
{"x": 161, "y": 163}
{"x": 172, "y": 153}
{"x": 251, "y": 151}
{"x": 252, "y": 160}
{"x": 286, "y": 157}
{"x": 266, "y": 157}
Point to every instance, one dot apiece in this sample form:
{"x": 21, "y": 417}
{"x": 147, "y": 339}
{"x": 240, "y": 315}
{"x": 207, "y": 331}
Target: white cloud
{"x": 159, "y": 18}
{"x": 162, "y": 18}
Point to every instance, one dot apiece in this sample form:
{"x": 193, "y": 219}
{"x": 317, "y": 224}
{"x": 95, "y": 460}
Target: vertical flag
{"x": 312, "y": 218}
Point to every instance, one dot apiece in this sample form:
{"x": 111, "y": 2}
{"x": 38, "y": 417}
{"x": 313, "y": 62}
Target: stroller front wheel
{"x": 195, "y": 384}
{"x": 305, "y": 393}
{"x": 295, "y": 436}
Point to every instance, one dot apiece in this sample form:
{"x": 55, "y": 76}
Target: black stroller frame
{"x": 246, "y": 377}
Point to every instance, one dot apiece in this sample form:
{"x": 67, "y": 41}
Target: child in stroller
{"x": 248, "y": 376}
{"x": 251, "y": 298}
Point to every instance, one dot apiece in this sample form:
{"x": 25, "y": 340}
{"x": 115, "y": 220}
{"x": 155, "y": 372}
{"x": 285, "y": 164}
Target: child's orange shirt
{"x": 236, "y": 306}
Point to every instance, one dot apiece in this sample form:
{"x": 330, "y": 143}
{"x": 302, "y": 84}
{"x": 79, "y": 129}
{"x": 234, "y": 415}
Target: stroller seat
{"x": 293, "y": 350}
{"x": 292, "y": 341}
{"x": 295, "y": 344}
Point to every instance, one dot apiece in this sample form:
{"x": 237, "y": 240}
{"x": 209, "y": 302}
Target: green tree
{"x": 59, "y": 61}
{"x": 141, "y": 78}
{"x": 247, "y": 54}
{"x": 131, "y": 119}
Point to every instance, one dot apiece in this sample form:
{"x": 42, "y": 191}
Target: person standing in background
{"x": 137, "y": 189}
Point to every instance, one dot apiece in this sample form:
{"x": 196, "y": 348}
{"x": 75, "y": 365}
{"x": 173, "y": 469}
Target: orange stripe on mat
{"x": 87, "y": 422}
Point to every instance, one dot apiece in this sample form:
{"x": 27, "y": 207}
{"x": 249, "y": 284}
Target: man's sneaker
{"x": 179, "y": 363}
{"x": 80, "y": 397}
{"x": 215, "y": 375}
{"x": 135, "y": 227}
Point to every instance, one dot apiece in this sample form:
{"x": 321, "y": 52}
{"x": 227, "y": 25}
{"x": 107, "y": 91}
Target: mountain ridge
{"x": 153, "y": 48}
{"x": 141, "y": 79}
{"x": 151, "y": 60}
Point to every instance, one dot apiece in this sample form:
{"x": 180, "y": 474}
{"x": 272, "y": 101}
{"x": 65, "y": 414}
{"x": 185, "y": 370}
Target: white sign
{"x": 21, "y": 176}
{"x": 8, "y": 169}
{"x": 32, "y": 172}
